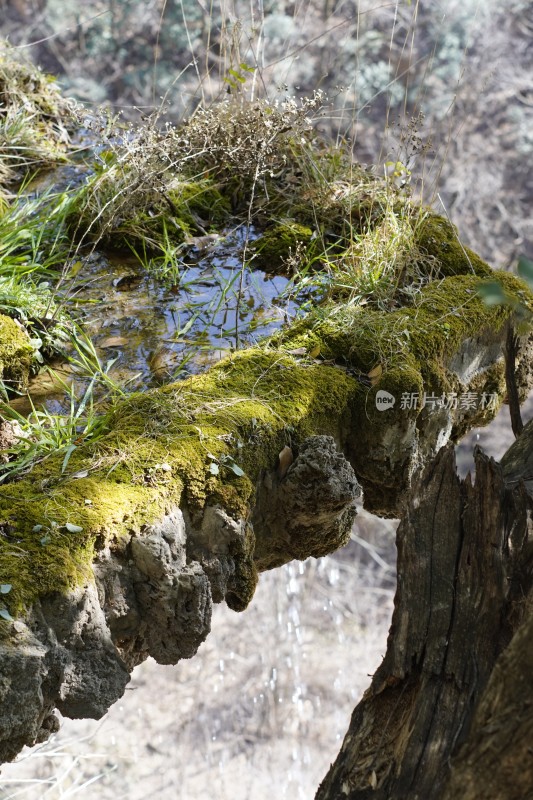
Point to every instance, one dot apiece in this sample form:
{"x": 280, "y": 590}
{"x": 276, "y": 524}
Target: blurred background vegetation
{"x": 444, "y": 88}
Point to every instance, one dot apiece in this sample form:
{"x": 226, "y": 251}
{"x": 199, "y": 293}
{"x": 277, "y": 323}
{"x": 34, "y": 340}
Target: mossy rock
{"x": 282, "y": 240}
{"x": 146, "y": 218}
{"x": 319, "y": 377}
{"x": 199, "y": 200}
{"x": 16, "y": 355}
{"x": 408, "y": 351}
{"x": 235, "y": 410}
{"x": 438, "y": 238}
{"x": 314, "y": 379}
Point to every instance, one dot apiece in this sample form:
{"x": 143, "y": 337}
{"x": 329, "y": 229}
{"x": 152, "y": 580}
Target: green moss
{"x": 437, "y": 237}
{"x": 232, "y": 493}
{"x": 199, "y": 199}
{"x": 120, "y": 208}
{"x": 38, "y": 554}
{"x": 411, "y": 346}
{"x": 15, "y": 354}
{"x": 241, "y": 409}
{"x": 279, "y": 242}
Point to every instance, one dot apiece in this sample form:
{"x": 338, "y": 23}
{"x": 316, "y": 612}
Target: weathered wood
{"x": 461, "y": 549}
{"x": 511, "y": 351}
{"x": 497, "y": 760}
{"x": 517, "y": 462}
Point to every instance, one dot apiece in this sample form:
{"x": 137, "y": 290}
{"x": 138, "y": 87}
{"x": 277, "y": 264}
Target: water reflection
{"x": 157, "y": 326}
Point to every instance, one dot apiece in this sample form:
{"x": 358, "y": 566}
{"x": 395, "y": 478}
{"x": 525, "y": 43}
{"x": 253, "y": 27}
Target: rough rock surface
{"x": 152, "y": 588}
{"x": 62, "y": 657}
{"x": 153, "y": 595}
{"x": 386, "y": 458}
{"x": 310, "y": 510}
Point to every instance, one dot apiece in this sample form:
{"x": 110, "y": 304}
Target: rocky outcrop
{"x": 197, "y": 486}
{"x": 16, "y": 354}
{"x": 115, "y": 545}
{"x": 153, "y": 594}
{"x": 308, "y": 510}
{"x": 62, "y": 656}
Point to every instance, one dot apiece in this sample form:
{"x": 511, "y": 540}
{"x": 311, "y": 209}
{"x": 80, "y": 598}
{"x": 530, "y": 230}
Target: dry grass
{"x": 34, "y": 117}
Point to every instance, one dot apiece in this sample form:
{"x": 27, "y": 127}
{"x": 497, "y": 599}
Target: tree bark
{"x": 454, "y": 690}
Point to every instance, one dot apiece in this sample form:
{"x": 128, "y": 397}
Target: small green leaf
{"x": 4, "y": 613}
{"x": 492, "y": 293}
{"x": 237, "y": 76}
{"x": 214, "y": 468}
{"x": 68, "y": 454}
{"x": 71, "y": 528}
{"x": 525, "y": 269}
{"x": 234, "y": 467}
{"x": 5, "y": 588}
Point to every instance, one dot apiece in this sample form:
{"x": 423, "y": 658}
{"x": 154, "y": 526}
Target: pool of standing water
{"x": 168, "y": 321}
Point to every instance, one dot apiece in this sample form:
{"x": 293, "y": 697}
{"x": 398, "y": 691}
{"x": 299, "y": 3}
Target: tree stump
{"x": 454, "y": 691}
